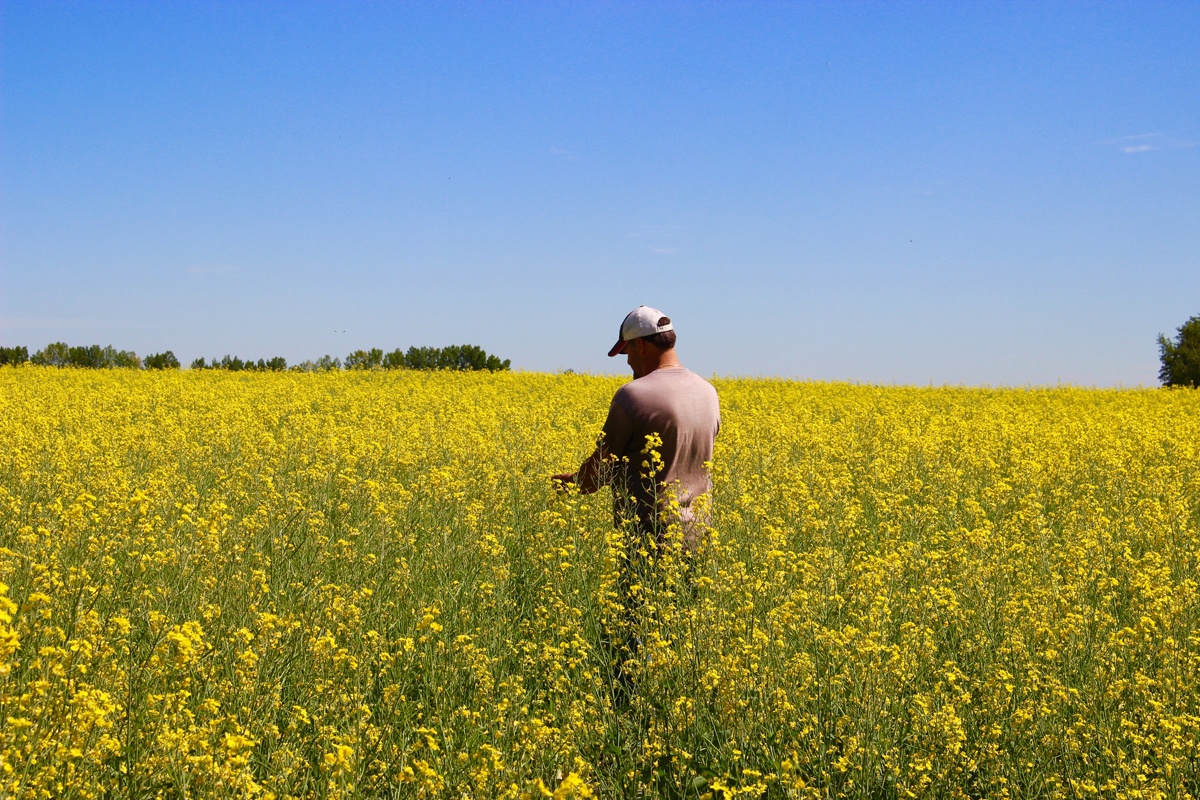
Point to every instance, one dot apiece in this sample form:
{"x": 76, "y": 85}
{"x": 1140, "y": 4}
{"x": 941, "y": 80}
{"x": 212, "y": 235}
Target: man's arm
{"x": 591, "y": 474}
{"x": 595, "y": 471}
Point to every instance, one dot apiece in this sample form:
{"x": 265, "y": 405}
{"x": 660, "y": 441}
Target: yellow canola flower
{"x": 361, "y": 583}
{"x": 9, "y": 640}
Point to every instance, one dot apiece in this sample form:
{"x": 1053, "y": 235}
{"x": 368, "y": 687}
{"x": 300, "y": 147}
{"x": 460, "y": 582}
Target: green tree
{"x": 60, "y": 354}
{"x": 467, "y": 356}
{"x": 52, "y": 355}
{"x": 455, "y": 357}
{"x": 322, "y": 364}
{"x": 394, "y": 359}
{"x": 365, "y": 359}
{"x": 85, "y": 357}
{"x": 14, "y": 355}
{"x": 164, "y": 360}
{"x": 421, "y": 358}
{"x": 328, "y": 363}
{"x": 470, "y": 357}
{"x": 1181, "y": 357}
{"x": 119, "y": 359}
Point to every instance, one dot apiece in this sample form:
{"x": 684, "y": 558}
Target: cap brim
{"x": 617, "y": 348}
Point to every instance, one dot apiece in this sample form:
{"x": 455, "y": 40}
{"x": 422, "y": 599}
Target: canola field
{"x": 360, "y": 584}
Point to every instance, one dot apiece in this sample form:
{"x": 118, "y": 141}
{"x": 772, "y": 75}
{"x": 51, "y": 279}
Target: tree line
{"x": 60, "y": 354}
{"x": 1180, "y": 358}
{"x": 456, "y": 356}
{"x": 466, "y": 357}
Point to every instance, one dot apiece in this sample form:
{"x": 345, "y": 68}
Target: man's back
{"x": 682, "y": 408}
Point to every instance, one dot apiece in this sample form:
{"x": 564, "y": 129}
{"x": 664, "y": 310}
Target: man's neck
{"x": 668, "y": 361}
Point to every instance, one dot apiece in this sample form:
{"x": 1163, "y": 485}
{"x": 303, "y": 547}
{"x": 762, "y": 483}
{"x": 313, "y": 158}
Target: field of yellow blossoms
{"x": 359, "y": 584}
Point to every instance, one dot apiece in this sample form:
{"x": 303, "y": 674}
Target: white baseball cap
{"x": 642, "y": 321}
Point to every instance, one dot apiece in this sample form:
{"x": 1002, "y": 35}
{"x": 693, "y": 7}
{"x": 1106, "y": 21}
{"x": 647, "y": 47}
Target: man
{"x": 654, "y": 453}
{"x": 663, "y": 400}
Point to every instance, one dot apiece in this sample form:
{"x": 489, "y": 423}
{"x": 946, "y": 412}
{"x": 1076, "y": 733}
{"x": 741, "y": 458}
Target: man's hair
{"x": 664, "y": 340}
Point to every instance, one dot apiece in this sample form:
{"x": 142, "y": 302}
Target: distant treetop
{"x": 1181, "y": 357}
{"x": 164, "y": 360}
{"x": 466, "y": 357}
{"x": 60, "y": 354}
{"x": 453, "y": 357}
{"x": 235, "y": 364}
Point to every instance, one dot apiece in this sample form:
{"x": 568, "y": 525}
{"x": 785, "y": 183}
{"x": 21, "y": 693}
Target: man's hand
{"x": 589, "y": 476}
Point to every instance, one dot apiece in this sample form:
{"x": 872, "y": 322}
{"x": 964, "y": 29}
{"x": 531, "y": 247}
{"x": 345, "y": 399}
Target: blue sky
{"x": 1000, "y": 193}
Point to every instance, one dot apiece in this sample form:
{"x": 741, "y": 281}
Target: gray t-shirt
{"x": 682, "y": 408}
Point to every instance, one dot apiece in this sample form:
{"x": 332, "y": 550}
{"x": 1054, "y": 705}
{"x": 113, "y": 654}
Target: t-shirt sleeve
{"x": 617, "y": 429}
{"x": 717, "y": 404}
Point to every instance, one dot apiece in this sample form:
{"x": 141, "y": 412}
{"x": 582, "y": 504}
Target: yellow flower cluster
{"x": 362, "y": 585}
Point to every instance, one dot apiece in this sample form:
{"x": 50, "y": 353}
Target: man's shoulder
{"x": 662, "y": 382}
{"x": 700, "y": 380}
{"x": 629, "y": 396}
{"x": 691, "y": 380}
